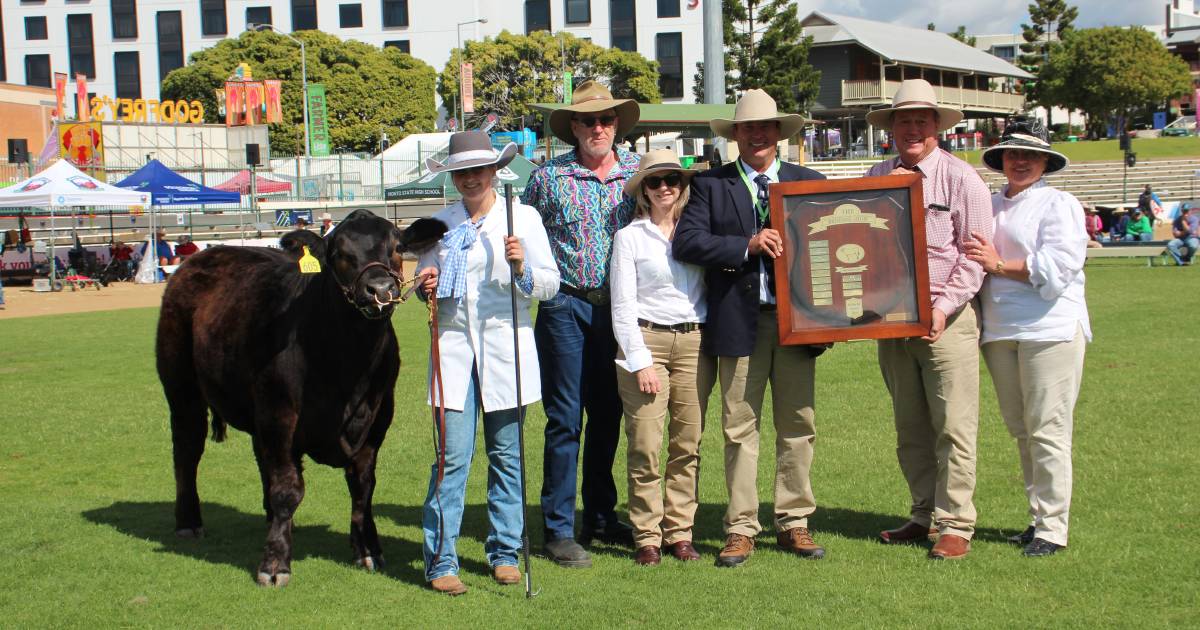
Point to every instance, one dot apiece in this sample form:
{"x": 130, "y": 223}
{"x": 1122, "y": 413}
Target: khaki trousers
{"x": 678, "y": 361}
{"x": 935, "y": 400}
{"x": 790, "y": 370}
{"x": 1037, "y": 384}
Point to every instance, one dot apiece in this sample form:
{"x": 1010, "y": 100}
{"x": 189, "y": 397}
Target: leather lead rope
{"x": 440, "y": 426}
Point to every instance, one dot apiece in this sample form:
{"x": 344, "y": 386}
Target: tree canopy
{"x": 1049, "y": 22}
{"x": 1112, "y": 71}
{"x": 369, "y": 91}
{"x": 766, "y": 49}
{"x": 511, "y": 72}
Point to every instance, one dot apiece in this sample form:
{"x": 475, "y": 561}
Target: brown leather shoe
{"x": 799, "y": 541}
{"x": 449, "y": 585}
{"x": 648, "y": 555}
{"x": 683, "y": 550}
{"x": 506, "y": 574}
{"x": 910, "y": 532}
{"x": 736, "y": 551}
{"x": 950, "y": 547}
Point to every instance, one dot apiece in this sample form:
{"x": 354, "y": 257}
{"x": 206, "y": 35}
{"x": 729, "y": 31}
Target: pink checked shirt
{"x": 954, "y": 184}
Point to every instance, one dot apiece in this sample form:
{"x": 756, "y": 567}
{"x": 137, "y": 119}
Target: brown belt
{"x": 685, "y": 327}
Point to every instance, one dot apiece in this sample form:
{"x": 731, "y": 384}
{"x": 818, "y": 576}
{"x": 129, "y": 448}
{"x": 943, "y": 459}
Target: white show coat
{"x": 479, "y": 328}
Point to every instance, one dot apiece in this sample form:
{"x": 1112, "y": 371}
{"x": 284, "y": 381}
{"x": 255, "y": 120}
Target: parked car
{"x": 1175, "y": 131}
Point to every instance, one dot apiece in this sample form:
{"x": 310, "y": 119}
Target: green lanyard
{"x": 763, "y": 211}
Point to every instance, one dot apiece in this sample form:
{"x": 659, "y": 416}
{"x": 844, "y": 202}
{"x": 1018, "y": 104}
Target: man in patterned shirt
{"x": 934, "y": 380}
{"x": 579, "y": 195}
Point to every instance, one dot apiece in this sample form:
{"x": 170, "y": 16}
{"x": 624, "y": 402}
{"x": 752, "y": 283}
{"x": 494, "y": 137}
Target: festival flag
{"x": 318, "y": 124}
{"x": 82, "y": 113}
{"x": 60, "y": 95}
{"x": 274, "y": 101}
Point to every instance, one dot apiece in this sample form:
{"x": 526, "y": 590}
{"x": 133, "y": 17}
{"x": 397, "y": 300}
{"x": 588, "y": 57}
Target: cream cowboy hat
{"x": 915, "y": 94}
{"x": 1028, "y": 134}
{"x": 657, "y": 162}
{"x": 325, "y": 216}
{"x": 469, "y": 149}
{"x": 756, "y": 105}
{"x": 590, "y": 97}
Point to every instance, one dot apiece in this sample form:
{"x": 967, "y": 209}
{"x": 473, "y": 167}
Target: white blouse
{"x": 1044, "y": 226}
{"x": 478, "y": 329}
{"x": 648, "y": 283}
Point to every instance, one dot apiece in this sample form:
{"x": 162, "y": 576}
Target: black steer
{"x": 306, "y": 363}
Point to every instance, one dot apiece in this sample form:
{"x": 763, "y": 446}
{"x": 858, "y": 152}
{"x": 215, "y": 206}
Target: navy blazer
{"x": 714, "y": 232}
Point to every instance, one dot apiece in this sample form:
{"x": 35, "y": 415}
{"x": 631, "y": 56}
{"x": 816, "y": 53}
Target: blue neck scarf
{"x": 458, "y": 243}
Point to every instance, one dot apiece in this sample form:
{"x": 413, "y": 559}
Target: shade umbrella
{"x": 436, "y": 185}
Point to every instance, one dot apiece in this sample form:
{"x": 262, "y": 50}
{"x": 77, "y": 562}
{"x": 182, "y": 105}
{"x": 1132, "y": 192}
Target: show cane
{"x": 512, "y": 285}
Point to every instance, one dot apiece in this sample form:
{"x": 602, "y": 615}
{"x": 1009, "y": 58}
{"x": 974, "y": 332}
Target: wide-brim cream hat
{"x": 915, "y": 94}
{"x": 325, "y": 216}
{"x": 758, "y": 106}
{"x": 657, "y": 162}
{"x": 469, "y": 149}
{"x": 1028, "y": 134}
{"x": 590, "y": 97}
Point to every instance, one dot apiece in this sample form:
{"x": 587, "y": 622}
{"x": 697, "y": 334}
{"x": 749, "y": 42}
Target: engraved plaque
{"x": 854, "y": 263}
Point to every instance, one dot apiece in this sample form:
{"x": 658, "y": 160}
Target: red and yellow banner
{"x": 60, "y": 95}
{"x": 83, "y": 113}
{"x": 82, "y": 144}
{"x": 274, "y": 89}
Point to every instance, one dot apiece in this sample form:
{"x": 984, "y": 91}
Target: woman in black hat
{"x": 1035, "y": 321}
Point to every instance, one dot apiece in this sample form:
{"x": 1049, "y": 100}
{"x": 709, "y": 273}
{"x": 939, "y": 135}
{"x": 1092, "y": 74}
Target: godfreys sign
{"x": 147, "y": 110}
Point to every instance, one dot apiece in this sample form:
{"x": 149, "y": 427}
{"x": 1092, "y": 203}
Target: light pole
{"x": 461, "y": 104}
{"x": 303, "y": 77}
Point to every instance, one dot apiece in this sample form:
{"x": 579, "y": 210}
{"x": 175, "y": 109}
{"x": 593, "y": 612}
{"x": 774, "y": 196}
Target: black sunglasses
{"x": 590, "y": 121}
{"x": 654, "y": 181}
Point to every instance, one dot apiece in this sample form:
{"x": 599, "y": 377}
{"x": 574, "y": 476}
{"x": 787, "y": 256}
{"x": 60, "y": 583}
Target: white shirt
{"x": 648, "y": 283}
{"x": 1044, "y": 226}
{"x": 479, "y": 329}
{"x": 772, "y": 173}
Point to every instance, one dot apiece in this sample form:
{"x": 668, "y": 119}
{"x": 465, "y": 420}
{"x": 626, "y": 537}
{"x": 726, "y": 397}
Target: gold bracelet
{"x": 999, "y": 266}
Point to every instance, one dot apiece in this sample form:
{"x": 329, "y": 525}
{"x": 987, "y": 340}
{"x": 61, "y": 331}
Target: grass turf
{"x": 87, "y": 494}
{"x": 1108, "y": 151}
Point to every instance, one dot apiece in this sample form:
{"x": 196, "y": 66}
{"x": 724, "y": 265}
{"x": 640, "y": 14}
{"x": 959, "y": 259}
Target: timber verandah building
{"x": 862, "y": 63}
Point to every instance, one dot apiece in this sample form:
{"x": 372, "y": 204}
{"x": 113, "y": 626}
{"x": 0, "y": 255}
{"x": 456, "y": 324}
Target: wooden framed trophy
{"x": 854, "y": 264}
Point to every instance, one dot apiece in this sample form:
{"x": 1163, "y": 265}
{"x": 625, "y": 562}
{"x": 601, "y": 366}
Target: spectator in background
{"x": 326, "y": 223}
{"x": 1186, "y": 230}
{"x": 1138, "y": 228}
{"x": 162, "y": 249}
{"x": 1120, "y": 222}
{"x": 1150, "y": 205}
{"x": 301, "y": 223}
{"x": 1093, "y": 224}
{"x": 185, "y": 247}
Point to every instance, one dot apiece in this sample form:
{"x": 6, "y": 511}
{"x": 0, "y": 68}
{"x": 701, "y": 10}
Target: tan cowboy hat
{"x": 590, "y": 97}
{"x": 469, "y": 149}
{"x": 657, "y": 162}
{"x": 915, "y": 94}
{"x": 757, "y": 105}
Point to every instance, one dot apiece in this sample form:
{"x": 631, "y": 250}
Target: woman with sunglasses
{"x": 469, "y": 275}
{"x": 658, "y": 310}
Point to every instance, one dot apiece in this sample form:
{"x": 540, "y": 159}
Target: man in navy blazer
{"x": 726, "y": 229}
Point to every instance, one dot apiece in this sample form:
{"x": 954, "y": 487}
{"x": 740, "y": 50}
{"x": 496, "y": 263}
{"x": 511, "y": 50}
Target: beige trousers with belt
{"x": 679, "y": 364}
{"x": 790, "y": 371}
{"x": 1037, "y": 384}
{"x": 935, "y": 401}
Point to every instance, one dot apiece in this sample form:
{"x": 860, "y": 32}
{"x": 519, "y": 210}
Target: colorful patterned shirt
{"x": 582, "y": 214}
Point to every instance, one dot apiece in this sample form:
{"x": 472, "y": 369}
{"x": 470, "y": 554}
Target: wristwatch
{"x": 999, "y": 266}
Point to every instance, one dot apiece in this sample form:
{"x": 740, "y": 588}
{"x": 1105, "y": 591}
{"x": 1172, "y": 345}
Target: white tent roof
{"x": 62, "y": 185}
{"x": 905, "y": 44}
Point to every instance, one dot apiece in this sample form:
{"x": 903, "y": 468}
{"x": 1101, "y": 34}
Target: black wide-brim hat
{"x": 1030, "y": 135}
{"x": 469, "y": 149}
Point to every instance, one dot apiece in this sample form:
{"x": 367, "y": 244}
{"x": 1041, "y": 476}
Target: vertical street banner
{"x": 567, "y": 88}
{"x": 255, "y": 103}
{"x": 318, "y": 123}
{"x": 60, "y": 95}
{"x": 82, "y": 145}
{"x": 467, "y": 83}
{"x": 82, "y": 113}
{"x": 234, "y": 91}
{"x": 274, "y": 100}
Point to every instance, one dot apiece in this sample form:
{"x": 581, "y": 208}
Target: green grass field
{"x": 1108, "y": 151}
{"x": 87, "y": 494}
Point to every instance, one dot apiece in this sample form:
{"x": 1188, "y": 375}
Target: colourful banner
{"x": 466, "y": 80}
{"x": 82, "y": 113}
{"x": 82, "y": 144}
{"x": 256, "y": 112}
{"x": 60, "y": 95}
{"x": 318, "y": 123}
{"x": 234, "y": 100}
{"x": 567, "y": 87}
{"x": 274, "y": 100}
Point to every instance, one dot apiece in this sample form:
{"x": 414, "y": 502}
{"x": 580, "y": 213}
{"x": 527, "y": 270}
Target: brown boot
{"x": 736, "y": 551}
{"x": 950, "y": 547}
{"x": 449, "y": 585}
{"x": 799, "y": 541}
{"x": 910, "y": 532}
{"x": 506, "y": 574}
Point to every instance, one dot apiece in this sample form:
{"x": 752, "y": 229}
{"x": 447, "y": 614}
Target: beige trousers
{"x": 790, "y": 370}
{"x": 677, "y": 360}
{"x": 935, "y": 400}
{"x": 1037, "y": 384}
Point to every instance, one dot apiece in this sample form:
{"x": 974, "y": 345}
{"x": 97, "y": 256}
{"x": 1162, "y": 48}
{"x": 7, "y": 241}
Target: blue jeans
{"x": 1, "y": 289}
{"x": 576, "y": 350}
{"x": 1182, "y": 250}
{"x": 502, "y": 440}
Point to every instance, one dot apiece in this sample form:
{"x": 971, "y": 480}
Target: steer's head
{"x": 364, "y": 256}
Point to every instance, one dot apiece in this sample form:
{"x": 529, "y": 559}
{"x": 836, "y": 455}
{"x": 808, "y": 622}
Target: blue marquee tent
{"x": 166, "y": 187}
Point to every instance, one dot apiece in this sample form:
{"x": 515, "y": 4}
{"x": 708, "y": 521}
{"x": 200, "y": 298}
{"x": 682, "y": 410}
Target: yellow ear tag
{"x": 309, "y": 263}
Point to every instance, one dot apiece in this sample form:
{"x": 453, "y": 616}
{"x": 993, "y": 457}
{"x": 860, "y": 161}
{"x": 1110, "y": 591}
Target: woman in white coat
{"x": 469, "y": 273}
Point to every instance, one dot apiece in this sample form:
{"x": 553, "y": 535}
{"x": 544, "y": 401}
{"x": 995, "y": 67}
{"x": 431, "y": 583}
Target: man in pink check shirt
{"x": 934, "y": 379}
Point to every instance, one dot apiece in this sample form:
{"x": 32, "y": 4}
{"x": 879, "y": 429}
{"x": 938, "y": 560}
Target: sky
{"x": 987, "y": 17}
